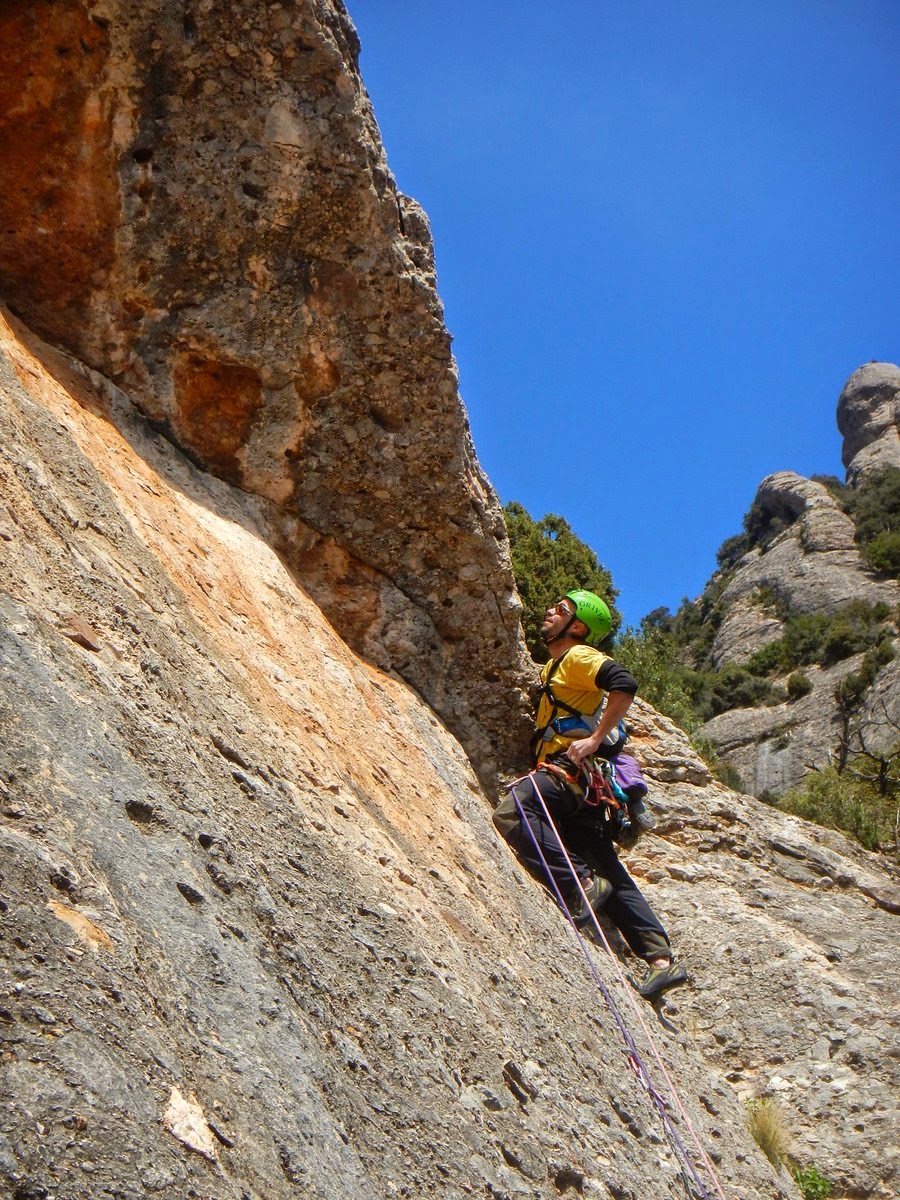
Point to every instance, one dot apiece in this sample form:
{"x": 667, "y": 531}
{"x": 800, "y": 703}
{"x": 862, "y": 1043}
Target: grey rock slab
{"x": 868, "y": 413}
{"x": 246, "y": 270}
{"x": 205, "y": 893}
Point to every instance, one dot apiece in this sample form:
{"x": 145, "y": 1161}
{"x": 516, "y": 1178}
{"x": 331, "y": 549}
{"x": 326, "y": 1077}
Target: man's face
{"x": 557, "y": 617}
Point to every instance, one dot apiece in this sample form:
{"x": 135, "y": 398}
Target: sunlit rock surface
{"x": 250, "y": 951}
{"x": 812, "y": 566}
{"x": 868, "y": 417}
{"x": 196, "y": 202}
{"x": 260, "y": 939}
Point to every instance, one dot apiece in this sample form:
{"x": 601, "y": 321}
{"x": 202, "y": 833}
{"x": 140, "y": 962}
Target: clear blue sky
{"x": 665, "y": 236}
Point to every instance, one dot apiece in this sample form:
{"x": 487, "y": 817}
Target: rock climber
{"x": 574, "y": 681}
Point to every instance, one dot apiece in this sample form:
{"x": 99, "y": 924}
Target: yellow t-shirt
{"x": 574, "y": 682}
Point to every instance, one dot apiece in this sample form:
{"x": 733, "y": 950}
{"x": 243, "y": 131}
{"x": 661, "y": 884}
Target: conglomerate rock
{"x": 260, "y": 939}
{"x": 249, "y": 952}
{"x": 812, "y": 566}
{"x": 196, "y": 202}
{"x": 868, "y": 416}
{"x": 773, "y": 747}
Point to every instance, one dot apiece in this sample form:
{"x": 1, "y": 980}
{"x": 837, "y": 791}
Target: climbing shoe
{"x": 597, "y": 891}
{"x": 641, "y": 815}
{"x": 658, "y": 979}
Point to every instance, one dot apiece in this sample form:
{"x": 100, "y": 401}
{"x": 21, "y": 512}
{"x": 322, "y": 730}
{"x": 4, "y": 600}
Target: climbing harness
{"x": 574, "y": 722}
{"x": 567, "y": 721}
{"x": 694, "y": 1185}
{"x": 605, "y": 794}
{"x": 597, "y": 778}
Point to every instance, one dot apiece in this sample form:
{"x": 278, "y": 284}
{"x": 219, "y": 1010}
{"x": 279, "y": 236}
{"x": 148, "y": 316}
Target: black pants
{"x": 590, "y": 850}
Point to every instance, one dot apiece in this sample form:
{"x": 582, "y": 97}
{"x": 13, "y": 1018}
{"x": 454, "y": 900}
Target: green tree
{"x": 762, "y": 526}
{"x": 838, "y": 489}
{"x": 875, "y": 508}
{"x": 733, "y": 550}
{"x": 735, "y": 687}
{"x": 798, "y": 685}
{"x": 548, "y": 560}
{"x": 651, "y": 655}
{"x": 882, "y": 553}
{"x": 767, "y": 660}
{"x": 861, "y": 799}
{"x": 875, "y": 504}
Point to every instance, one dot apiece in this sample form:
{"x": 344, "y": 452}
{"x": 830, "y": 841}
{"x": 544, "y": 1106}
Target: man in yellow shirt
{"x": 570, "y": 727}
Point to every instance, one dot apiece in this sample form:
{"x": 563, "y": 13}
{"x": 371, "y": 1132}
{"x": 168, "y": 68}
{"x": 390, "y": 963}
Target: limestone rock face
{"x": 773, "y": 748}
{"x": 248, "y": 952}
{"x": 748, "y": 623}
{"x": 868, "y": 415}
{"x": 260, "y": 938}
{"x": 812, "y": 566}
{"x": 203, "y": 212}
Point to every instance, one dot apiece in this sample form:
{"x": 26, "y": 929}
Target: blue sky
{"x": 665, "y": 235}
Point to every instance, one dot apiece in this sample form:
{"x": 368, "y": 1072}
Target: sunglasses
{"x": 561, "y": 607}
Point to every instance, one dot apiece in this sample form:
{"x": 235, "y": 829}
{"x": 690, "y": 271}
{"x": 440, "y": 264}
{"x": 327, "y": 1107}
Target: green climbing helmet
{"x": 590, "y": 609}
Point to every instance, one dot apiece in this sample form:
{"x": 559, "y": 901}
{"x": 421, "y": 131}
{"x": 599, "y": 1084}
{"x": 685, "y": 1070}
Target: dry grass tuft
{"x": 769, "y": 1131}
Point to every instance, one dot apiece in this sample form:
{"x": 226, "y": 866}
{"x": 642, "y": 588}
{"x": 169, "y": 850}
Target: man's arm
{"x": 617, "y": 705}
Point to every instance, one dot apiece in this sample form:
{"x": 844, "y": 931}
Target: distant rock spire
{"x": 867, "y": 416}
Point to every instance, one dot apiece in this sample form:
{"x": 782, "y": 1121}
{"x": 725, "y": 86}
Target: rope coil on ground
{"x": 689, "y": 1170}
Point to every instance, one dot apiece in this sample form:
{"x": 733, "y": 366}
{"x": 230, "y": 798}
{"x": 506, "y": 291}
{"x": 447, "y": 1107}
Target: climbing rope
{"x": 690, "y": 1174}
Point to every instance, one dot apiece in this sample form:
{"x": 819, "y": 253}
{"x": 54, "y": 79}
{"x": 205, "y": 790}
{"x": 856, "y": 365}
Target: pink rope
{"x": 634, "y": 1058}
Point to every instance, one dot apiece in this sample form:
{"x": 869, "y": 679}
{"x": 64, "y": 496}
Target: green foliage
{"x": 768, "y": 659}
{"x": 651, "y": 655}
{"x": 728, "y": 775}
{"x": 852, "y": 689}
{"x": 875, "y": 509}
{"x": 882, "y": 553}
{"x": 762, "y": 526}
{"x": 765, "y": 598}
{"x": 850, "y": 800}
{"x": 838, "y": 490}
{"x": 804, "y": 636}
{"x": 881, "y": 653}
{"x": 842, "y": 640}
{"x": 798, "y": 685}
{"x": 875, "y": 504}
{"x": 548, "y": 560}
{"x": 689, "y": 697}
{"x": 733, "y": 550}
{"x": 823, "y": 638}
{"x": 768, "y": 1128}
{"x": 660, "y": 655}
{"x": 695, "y": 624}
{"x": 812, "y": 1183}
{"x": 735, "y": 687}
{"x": 851, "y": 692}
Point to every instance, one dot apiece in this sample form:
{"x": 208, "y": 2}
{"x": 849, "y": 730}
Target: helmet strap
{"x": 564, "y": 632}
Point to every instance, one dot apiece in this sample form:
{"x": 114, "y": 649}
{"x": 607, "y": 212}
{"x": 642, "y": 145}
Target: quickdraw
{"x": 599, "y": 790}
{"x": 596, "y": 779}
